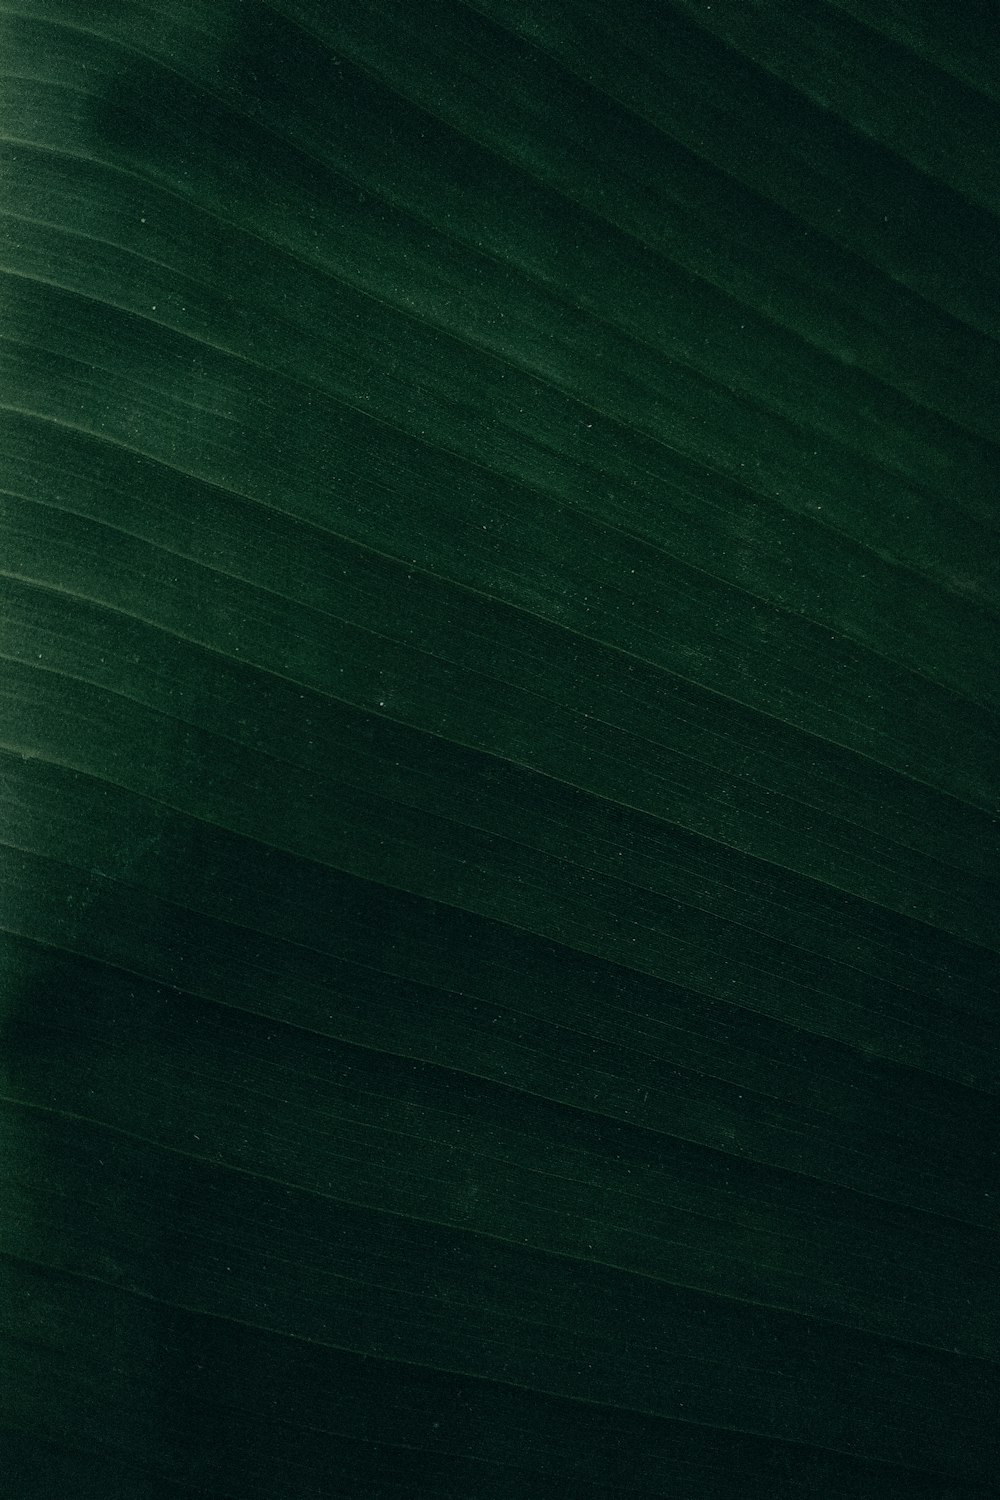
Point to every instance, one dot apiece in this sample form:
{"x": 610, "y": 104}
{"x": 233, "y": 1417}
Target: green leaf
{"x": 499, "y": 752}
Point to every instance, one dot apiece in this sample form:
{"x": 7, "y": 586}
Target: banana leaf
{"x": 499, "y": 643}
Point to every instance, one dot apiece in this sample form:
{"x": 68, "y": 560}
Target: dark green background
{"x": 499, "y": 749}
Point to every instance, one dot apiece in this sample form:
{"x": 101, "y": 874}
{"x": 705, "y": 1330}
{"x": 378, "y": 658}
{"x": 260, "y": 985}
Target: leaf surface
{"x": 499, "y": 753}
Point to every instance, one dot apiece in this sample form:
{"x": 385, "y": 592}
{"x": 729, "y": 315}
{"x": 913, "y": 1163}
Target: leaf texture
{"x": 501, "y": 601}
